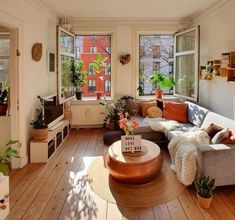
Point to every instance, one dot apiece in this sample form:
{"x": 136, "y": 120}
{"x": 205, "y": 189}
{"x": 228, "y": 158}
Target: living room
{"x": 35, "y": 21}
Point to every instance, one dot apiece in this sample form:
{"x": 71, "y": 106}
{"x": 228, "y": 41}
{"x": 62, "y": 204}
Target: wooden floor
{"x": 56, "y": 190}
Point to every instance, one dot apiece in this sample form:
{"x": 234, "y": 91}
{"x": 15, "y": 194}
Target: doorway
{"x": 8, "y": 86}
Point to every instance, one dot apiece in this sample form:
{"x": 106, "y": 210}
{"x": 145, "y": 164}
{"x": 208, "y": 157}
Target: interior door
{"x": 186, "y": 59}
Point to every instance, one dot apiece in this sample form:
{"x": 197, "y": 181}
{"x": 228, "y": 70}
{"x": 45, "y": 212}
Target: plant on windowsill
{"x": 6, "y": 156}
{"x": 161, "y": 82}
{"x": 79, "y": 77}
{"x": 4, "y": 89}
{"x": 205, "y": 187}
{"x": 99, "y": 65}
{"x": 40, "y": 129}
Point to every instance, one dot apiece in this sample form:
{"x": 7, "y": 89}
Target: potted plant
{"x": 99, "y": 65}
{"x": 6, "y": 157}
{"x": 40, "y": 129}
{"x": 79, "y": 77}
{"x": 4, "y": 89}
{"x": 205, "y": 187}
{"x": 160, "y": 82}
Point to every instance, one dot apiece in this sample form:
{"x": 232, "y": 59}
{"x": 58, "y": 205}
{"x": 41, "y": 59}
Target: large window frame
{"x": 138, "y": 33}
{"x": 195, "y": 53}
{"x": 112, "y": 33}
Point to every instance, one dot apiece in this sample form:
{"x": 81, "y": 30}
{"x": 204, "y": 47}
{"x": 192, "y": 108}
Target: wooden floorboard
{"x": 59, "y": 189}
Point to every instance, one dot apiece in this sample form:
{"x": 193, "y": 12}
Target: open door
{"x": 186, "y": 59}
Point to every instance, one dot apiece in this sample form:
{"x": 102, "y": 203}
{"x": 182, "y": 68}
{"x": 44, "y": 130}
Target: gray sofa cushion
{"x": 196, "y": 113}
{"x": 180, "y": 130}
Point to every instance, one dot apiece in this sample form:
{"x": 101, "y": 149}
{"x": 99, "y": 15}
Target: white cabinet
{"x": 41, "y": 151}
{"x": 4, "y": 197}
{"x": 84, "y": 115}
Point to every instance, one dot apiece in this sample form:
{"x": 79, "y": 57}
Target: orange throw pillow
{"x": 144, "y": 107}
{"x": 230, "y": 139}
{"x": 176, "y": 111}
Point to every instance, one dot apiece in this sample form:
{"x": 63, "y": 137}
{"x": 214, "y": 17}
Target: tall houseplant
{"x": 79, "y": 77}
{"x": 6, "y": 157}
{"x": 40, "y": 129}
{"x": 161, "y": 82}
{"x": 4, "y": 89}
{"x": 100, "y": 64}
{"x": 205, "y": 187}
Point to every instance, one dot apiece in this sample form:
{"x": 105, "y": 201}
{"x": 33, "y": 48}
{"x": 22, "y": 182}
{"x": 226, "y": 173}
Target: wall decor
{"x": 51, "y": 61}
{"x": 125, "y": 59}
{"x": 37, "y": 51}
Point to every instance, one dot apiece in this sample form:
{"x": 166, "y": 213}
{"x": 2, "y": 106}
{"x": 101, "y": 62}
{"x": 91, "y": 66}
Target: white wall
{"x": 217, "y": 36}
{"x": 35, "y": 25}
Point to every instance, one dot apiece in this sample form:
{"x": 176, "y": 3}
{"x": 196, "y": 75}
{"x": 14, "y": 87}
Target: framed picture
{"x": 51, "y": 61}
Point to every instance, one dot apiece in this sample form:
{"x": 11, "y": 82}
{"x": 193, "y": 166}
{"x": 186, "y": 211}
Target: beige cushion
{"x": 154, "y": 112}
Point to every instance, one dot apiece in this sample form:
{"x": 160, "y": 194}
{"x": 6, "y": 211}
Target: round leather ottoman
{"x": 112, "y": 136}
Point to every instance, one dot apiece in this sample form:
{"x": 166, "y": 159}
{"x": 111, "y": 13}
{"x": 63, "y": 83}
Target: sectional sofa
{"x": 214, "y": 160}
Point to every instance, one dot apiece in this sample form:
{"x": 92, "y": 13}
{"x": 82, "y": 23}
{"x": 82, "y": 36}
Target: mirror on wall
{"x": 65, "y": 57}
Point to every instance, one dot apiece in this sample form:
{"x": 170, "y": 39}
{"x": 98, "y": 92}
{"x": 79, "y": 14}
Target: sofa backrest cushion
{"x": 196, "y": 114}
{"x": 219, "y": 120}
{"x": 176, "y": 111}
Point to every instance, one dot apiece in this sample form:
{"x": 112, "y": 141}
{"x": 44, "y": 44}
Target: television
{"x": 53, "y": 113}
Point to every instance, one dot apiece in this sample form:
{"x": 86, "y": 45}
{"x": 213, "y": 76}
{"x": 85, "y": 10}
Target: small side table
{"x": 134, "y": 169}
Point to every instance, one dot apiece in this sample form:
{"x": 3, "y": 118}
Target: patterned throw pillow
{"x": 144, "y": 107}
{"x": 220, "y": 136}
{"x": 154, "y": 112}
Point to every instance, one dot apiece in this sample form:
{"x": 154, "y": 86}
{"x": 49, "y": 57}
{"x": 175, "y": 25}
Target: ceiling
{"x": 129, "y": 9}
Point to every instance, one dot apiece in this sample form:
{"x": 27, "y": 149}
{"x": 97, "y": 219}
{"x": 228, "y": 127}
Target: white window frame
{"x": 90, "y": 67}
{"x": 91, "y": 83}
{"x": 196, "y": 56}
{"x": 92, "y": 50}
{"x": 138, "y": 33}
{"x": 107, "y": 84}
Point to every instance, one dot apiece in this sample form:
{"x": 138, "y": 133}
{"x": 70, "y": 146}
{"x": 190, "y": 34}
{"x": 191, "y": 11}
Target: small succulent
{"x": 204, "y": 185}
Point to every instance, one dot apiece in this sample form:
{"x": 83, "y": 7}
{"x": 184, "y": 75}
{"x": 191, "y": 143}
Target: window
{"x": 91, "y": 46}
{"x": 91, "y": 86}
{"x": 171, "y": 67}
{"x": 91, "y": 70}
{"x": 107, "y": 86}
{"x": 154, "y": 56}
{"x": 92, "y": 50}
{"x": 186, "y": 64}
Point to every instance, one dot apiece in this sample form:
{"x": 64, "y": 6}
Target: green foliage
{"x": 39, "y": 121}
{"x": 79, "y": 75}
{"x": 141, "y": 91}
{"x": 160, "y": 81}
{"x": 204, "y": 185}
{"x": 100, "y": 63}
{"x": 4, "y": 88}
{"x": 6, "y": 157}
{"x": 66, "y": 73}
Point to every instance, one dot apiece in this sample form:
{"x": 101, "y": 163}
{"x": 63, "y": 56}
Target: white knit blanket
{"x": 183, "y": 152}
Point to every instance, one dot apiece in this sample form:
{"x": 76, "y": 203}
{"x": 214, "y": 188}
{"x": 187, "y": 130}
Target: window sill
{"x": 89, "y": 101}
{"x": 153, "y": 97}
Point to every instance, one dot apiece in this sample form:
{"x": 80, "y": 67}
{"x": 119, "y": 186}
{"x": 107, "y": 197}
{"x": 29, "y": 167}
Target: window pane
{"x": 89, "y": 46}
{"x": 66, "y": 77}
{"x": 66, "y": 43}
{"x": 185, "y": 42}
{"x": 185, "y": 77}
{"x": 155, "y": 54}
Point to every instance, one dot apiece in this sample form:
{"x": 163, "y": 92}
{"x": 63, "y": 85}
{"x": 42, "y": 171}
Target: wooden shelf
{"x": 227, "y": 61}
{"x": 231, "y": 75}
{"x": 41, "y": 151}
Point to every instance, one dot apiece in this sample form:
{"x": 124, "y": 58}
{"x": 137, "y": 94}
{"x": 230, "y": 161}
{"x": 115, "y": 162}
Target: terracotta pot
{"x": 3, "y": 109}
{"x": 98, "y": 94}
{"x": 204, "y": 202}
{"x": 159, "y": 93}
{"x": 40, "y": 134}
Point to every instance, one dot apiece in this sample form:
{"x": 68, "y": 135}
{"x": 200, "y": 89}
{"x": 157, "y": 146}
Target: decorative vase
{"x": 40, "y": 134}
{"x": 159, "y": 93}
{"x": 3, "y": 109}
{"x": 204, "y": 202}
